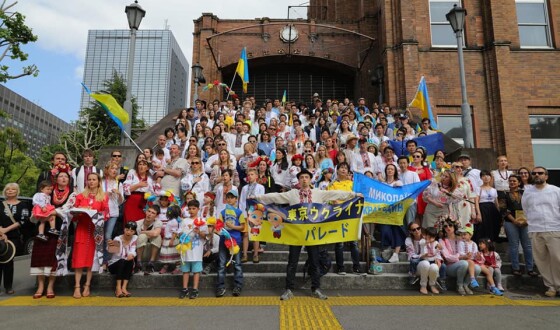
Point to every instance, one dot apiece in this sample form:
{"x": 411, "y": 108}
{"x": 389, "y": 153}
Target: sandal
{"x": 119, "y": 295}
{"x": 50, "y": 295}
{"x": 86, "y": 292}
{"x": 10, "y": 291}
{"x": 516, "y": 272}
{"x": 79, "y": 295}
{"x": 256, "y": 259}
{"x": 127, "y": 294}
{"x": 532, "y": 273}
{"x": 37, "y": 296}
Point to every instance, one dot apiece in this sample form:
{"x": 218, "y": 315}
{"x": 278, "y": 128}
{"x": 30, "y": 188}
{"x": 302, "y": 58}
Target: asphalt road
{"x": 150, "y": 309}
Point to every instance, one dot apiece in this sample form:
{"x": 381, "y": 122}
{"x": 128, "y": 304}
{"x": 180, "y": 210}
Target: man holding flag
{"x": 422, "y": 101}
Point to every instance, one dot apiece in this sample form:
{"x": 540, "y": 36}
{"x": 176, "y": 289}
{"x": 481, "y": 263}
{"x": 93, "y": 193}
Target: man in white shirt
{"x": 80, "y": 174}
{"x": 161, "y": 142}
{"x": 363, "y": 159}
{"x": 236, "y": 141}
{"x": 172, "y": 172}
{"x": 149, "y": 233}
{"x": 408, "y": 177}
{"x": 471, "y": 173}
{"x": 541, "y": 205}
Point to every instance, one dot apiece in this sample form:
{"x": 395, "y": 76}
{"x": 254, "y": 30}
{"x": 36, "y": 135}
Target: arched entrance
{"x": 300, "y": 76}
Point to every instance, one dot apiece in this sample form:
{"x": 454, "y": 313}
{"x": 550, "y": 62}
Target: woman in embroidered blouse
{"x": 280, "y": 171}
{"x": 13, "y": 215}
{"x": 456, "y": 265}
{"x": 392, "y": 236}
{"x": 83, "y": 251}
{"x": 262, "y": 164}
{"x": 223, "y": 162}
{"x": 115, "y": 192}
{"x": 196, "y": 181}
{"x": 192, "y": 152}
{"x": 466, "y": 208}
{"x": 517, "y": 230}
{"x": 344, "y": 132}
{"x": 138, "y": 182}
{"x": 489, "y": 225}
{"x": 122, "y": 262}
{"x": 439, "y": 197}
{"x": 500, "y": 179}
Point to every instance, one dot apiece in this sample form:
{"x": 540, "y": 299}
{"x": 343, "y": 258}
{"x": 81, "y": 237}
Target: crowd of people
{"x": 216, "y": 156}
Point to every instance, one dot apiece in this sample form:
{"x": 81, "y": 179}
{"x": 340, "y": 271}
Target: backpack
{"x": 325, "y": 263}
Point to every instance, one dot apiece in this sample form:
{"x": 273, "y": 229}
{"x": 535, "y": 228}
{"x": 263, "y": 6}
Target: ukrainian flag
{"x": 422, "y": 102}
{"x": 243, "y": 69}
{"x": 113, "y": 108}
{"x": 284, "y": 98}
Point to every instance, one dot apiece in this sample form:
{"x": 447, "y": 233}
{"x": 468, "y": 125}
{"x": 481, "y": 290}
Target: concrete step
{"x": 276, "y": 281}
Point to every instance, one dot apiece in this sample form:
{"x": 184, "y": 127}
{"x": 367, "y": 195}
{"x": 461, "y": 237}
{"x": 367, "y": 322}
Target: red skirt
{"x": 39, "y": 214}
{"x": 133, "y": 209}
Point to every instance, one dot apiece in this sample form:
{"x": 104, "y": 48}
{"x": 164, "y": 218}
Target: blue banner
{"x": 385, "y": 204}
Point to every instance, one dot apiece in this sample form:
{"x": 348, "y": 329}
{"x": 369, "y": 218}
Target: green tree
{"x": 13, "y": 34}
{"x": 15, "y": 166}
{"x": 115, "y": 86}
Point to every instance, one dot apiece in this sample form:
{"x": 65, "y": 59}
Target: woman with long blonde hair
{"x": 83, "y": 252}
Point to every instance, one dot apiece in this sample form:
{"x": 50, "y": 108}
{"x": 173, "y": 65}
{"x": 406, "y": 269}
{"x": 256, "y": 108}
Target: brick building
{"x": 511, "y": 63}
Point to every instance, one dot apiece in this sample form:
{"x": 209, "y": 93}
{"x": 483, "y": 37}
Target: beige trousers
{"x": 546, "y": 253}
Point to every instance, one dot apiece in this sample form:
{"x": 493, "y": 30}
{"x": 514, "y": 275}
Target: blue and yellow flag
{"x": 384, "y": 204}
{"x": 431, "y": 143}
{"x": 243, "y": 69}
{"x": 284, "y": 98}
{"x": 113, "y": 108}
{"x": 422, "y": 102}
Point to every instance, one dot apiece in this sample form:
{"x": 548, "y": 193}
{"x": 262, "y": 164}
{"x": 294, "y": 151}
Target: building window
{"x": 451, "y": 126}
{"x": 545, "y": 137}
{"x": 442, "y": 33}
{"x": 532, "y": 21}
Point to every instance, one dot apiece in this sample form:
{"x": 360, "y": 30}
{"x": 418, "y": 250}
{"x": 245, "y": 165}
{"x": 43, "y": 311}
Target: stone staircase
{"x": 270, "y": 273}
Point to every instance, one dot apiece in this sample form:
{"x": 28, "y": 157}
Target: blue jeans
{"x": 223, "y": 257}
{"x": 460, "y": 270}
{"x": 354, "y": 253}
{"x": 516, "y": 234}
{"x": 109, "y": 226}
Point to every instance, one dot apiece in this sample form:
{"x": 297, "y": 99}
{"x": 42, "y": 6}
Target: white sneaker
{"x": 394, "y": 258}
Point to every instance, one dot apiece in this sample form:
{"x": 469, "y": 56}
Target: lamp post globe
{"x": 134, "y": 14}
{"x": 456, "y": 18}
{"x": 198, "y": 78}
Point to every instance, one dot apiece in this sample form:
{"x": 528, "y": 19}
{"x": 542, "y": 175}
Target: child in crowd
{"x": 43, "y": 211}
{"x": 163, "y": 202}
{"x": 211, "y": 247}
{"x": 431, "y": 253}
{"x": 168, "y": 254}
{"x": 187, "y": 197}
{"x": 468, "y": 251}
{"x": 159, "y": 161}
{"x": 325, "y": 179}
{"x": 251, "y": 190}
{"x": 193, "y": 237}
{"x": 234, "y": 223}
{"x": 490, "y": 264}
{"x": 296, "y": 167}
{"x": 208, "y": 208}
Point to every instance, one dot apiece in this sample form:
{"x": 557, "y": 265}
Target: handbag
{"x": 11, "y": 216}
{"x": 520, "y": 219}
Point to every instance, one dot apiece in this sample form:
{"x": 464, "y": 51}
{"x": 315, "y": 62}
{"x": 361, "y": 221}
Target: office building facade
{"x": 160, "y": 69}
{"x": 38, "y": 126}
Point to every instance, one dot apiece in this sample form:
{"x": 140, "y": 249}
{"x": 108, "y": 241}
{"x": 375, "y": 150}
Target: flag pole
{"x": 231, "y": 85}
{"x": 131, "y": 140}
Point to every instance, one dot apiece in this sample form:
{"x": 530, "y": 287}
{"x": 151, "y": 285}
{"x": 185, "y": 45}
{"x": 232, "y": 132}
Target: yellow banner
{"x": 306, "y": 224}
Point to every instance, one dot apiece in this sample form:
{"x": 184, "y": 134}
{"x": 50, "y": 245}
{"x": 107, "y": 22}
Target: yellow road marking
{"x": 479, "y": 300}
{"x": 304, "y": 316}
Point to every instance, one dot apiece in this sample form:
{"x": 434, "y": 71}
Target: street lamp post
{"x": 134, "y": 13}
{"x": 456, "y": 18}
{"x": 197, "y": 76}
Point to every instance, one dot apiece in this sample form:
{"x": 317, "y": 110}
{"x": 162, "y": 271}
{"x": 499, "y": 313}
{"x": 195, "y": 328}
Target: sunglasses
{"x": 415, "y": 229}
{"x": 416, "y": 156}
{"x": 194, "y": 163}
{"x": 537, "y": 173}
{"x": 221, "y": 144}
{"x": 117, "y": 156}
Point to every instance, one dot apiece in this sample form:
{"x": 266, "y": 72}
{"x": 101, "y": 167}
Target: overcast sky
{"x": 62, "y": 27}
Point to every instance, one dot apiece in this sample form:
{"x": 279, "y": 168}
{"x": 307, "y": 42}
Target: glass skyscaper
{"x": 160, "y": 69}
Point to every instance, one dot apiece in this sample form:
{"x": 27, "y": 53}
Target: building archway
{"x": 300, "y": 76}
